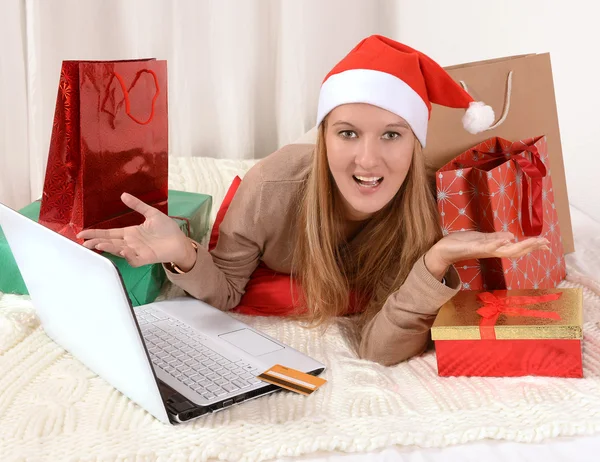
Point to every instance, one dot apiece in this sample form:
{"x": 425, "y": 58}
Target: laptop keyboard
{"x": 177, "y": 349}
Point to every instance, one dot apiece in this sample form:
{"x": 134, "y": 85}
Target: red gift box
{"x": 110, "y": 135}
{"x": 499, "y": 185}
{"x": 510, "y": 333}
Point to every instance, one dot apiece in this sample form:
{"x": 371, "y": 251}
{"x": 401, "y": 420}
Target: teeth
{"x": 368, "y": 179}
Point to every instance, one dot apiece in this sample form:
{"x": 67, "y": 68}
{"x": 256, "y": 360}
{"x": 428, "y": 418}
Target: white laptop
{"x": 178, "y": 359}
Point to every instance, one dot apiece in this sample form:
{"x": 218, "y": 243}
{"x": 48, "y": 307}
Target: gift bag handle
{"x": 507, "y": 96}
{"x": 126, "y": 94}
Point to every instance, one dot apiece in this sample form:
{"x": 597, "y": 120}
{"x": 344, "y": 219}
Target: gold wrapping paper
{"x": 458, "y": 319}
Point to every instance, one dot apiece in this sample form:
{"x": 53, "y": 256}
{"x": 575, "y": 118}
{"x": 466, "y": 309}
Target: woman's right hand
{"x": 158, "y": 240}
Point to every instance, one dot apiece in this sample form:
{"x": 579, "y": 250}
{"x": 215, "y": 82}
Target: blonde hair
{"x": 397, "y": 236}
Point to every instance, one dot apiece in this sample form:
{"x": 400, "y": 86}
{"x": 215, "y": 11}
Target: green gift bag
{"x": 190, "y": 210}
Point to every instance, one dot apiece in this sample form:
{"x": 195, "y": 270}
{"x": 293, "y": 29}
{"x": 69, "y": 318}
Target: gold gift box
{"x": 458, "y": 318}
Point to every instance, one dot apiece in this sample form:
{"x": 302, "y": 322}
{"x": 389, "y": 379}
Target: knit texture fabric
{"x": 53, "y": 408}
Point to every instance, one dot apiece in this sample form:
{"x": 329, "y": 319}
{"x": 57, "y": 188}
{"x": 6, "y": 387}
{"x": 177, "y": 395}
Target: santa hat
{"x": 392, "y": 76}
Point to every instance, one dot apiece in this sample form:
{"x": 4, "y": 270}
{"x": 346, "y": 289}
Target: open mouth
{"x": 368, "y": 182}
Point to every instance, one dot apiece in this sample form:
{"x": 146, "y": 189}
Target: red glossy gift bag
{"x": 500, "y": 185}
{"x": 110, "y": 136}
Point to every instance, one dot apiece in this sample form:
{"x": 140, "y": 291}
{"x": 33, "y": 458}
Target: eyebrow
{"x": 393, "y": 125}
{"x": 398, "y": 124}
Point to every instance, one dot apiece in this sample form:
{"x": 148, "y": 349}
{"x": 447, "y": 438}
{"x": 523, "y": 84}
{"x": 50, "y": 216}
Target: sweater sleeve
{"x": 219, "y": 277}
{"x": 400, "y": 329}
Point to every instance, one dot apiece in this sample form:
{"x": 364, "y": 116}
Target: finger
{"x": 518, "y": 249}
{"x": 534, "y": 243}
{"x": 491, "y": 247}
{"x": 136, "y": 204}
{"x": 501, "y": 235}
{"x": 521, "y": 253}
{"x": 531, "y": 242}
{"x": 110, "y": 247}
{"x": 92, "y": 243}
{"x": 515, "y": 249}
{"x": 500, "y": 242}
{"x": 537, "y": 240}
{"x": 113, "y": 246}
{"x": 132, "y": 257}
{"x": 116, "y": 233}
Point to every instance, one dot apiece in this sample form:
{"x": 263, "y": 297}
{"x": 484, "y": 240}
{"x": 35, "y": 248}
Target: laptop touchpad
{"x": 251, "y": 342}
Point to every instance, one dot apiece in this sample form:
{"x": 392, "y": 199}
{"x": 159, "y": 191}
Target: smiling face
{"x": 369, "y": 152}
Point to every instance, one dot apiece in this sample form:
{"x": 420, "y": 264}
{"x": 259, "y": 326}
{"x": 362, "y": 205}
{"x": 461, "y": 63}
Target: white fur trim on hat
{"x": 478, "y": 118}
{"x": 379, "y": 89}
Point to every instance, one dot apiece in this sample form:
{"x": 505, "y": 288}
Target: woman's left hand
{"x": 467, "y": 245}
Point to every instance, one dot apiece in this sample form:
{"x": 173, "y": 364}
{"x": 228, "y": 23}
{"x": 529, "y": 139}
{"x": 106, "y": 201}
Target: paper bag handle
{"x": 126, "y": 94}
{"x": 507, "y": 96}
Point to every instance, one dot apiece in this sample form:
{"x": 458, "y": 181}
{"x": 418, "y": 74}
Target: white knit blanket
{"x": 53, "y": 408}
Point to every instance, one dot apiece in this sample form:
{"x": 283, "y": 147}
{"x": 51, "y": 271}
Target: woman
{"x": 353, "y": 219}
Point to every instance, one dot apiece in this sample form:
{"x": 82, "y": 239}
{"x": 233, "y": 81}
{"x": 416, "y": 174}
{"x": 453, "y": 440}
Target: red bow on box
{"x": 495, "y": 305}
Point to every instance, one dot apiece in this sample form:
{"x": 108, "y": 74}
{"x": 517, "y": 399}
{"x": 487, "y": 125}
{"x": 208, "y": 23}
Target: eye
{"x": 348, "y": 134}
{"x": 391, "y": 135}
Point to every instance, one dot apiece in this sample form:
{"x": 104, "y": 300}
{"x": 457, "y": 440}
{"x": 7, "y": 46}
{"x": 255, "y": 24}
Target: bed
{"x": 53, "y": 408}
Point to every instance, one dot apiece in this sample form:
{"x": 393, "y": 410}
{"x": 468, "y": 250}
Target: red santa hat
{"x": 392, "y": 76}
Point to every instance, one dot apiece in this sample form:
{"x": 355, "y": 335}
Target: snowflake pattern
{"x": 489, "y": 199}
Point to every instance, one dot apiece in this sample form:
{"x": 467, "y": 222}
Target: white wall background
{"x": 244, "y": 74}
{"x": 459, "y": 31}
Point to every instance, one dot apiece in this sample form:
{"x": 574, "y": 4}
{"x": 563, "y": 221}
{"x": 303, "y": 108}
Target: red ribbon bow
{"x": 495, "y": 305}
{"x": 531, "y": 222}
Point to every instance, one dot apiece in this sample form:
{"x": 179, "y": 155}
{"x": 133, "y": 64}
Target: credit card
{"x": 292, "y": 379}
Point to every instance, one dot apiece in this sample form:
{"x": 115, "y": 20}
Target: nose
{"x": 367, "y": 154}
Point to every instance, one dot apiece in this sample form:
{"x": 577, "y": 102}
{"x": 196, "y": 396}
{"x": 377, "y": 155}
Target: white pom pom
{"x": 479, "y": 117}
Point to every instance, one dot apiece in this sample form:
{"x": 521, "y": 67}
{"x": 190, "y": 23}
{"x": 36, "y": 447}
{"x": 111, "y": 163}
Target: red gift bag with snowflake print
{"x": 501, "y": 185}
{"x": 109, "y": 136}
